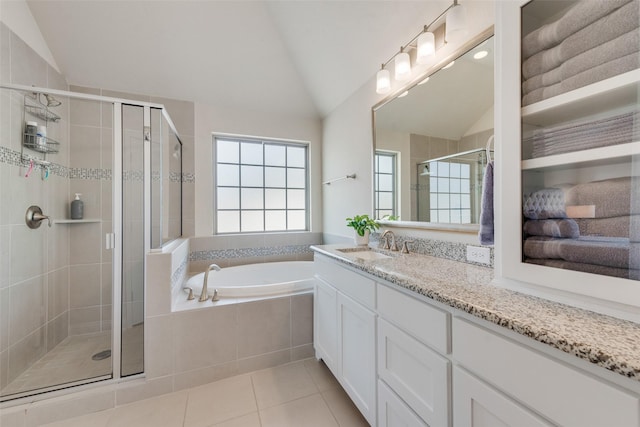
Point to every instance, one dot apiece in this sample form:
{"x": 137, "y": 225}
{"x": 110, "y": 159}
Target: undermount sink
{"x": 364, "y": 253}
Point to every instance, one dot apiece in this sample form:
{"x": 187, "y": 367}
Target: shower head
{"x": 51, "y": 101}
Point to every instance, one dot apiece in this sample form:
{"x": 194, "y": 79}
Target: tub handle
{"x": 215, "y": 296}
{"x": 190, "y": 290}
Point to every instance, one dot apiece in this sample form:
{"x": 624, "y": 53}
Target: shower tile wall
{"x": 90, "y": 160}
{"x": 34, "y": 266}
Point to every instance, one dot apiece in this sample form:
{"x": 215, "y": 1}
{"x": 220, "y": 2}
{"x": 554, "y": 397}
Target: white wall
{"x": 17, "y": 16}
{"x": 215, "y": 119}
{"x": 347, "y": 140}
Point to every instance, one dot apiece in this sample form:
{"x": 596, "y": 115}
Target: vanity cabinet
{"x": 569, "y": 134}
{"x": 548, "y": 387}
{"x": 345, "y": 331}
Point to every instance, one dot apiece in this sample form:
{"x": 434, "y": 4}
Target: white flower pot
{"x": 361, "y": 240}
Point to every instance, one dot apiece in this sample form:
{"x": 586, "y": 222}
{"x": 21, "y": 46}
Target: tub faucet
{"x": 204, "y": 296}
{"x": 394, "y": 245}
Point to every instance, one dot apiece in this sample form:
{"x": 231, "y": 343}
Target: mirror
{"x": 430, "y": 143}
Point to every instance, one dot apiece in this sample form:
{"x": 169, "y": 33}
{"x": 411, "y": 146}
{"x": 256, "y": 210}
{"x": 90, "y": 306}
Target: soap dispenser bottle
{"x": 77, "y": 207}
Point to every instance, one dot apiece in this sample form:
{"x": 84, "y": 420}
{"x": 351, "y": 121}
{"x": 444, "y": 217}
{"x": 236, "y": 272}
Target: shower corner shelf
{"x": 76, "y": 221}
{"x": 41, "y": 144}
{"x": 41, "y": 113}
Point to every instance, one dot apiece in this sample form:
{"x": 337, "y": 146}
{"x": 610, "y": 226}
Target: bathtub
{"x": 255, "y": 280}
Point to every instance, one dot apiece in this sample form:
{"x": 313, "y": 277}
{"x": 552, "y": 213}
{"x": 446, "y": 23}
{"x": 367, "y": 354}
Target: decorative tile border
{"x": 14, "y": 158}
{"x": 439, "y": 248}
{"x": 250, "y": 252}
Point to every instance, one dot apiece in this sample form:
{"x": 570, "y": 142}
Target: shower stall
{"x": 72, "y": 289}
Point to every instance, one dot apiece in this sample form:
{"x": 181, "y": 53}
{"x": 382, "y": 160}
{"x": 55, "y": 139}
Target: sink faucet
{"x": 394, "y": 245}
{"x": 204, "y": 296}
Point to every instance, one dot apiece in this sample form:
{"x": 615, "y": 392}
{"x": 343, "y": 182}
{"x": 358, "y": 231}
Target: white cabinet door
{"x": 476, "y": 404}
{"x": 325, "y": 326}
{"x": 417, "y": 374}
{"x": 393, "y": 412}
{"x": 357, "y": 350}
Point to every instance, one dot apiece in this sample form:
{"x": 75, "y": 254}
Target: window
{"x": 260, "y": 185}
{"x": 384, "y": 191}
{"x": 450, "y": 192}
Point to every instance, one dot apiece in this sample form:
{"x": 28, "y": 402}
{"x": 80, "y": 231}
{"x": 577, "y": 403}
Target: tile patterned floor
{"x": 71, "y": 361}
{"x": 299, "y": 394}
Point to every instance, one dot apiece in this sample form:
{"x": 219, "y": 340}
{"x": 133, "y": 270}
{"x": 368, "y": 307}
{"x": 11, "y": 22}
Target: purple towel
{"x": 486, "y": 210}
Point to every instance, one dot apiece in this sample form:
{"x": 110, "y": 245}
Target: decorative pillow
{"x": 544, "y": 204}
{"x": 566, "y": 228}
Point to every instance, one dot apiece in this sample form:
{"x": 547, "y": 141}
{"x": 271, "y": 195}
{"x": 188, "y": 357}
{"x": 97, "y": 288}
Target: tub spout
{"x": 204, "y": 296}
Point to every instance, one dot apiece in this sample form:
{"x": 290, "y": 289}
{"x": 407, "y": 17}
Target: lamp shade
{"x": 456, "y": 24}
{"x": 402, "y": 66}
{"x": 426, "y": 47}
{"x": 383, "y": 81}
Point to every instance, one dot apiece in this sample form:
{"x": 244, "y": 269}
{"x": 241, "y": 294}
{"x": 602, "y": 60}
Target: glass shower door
{"x": 135, "y": 150}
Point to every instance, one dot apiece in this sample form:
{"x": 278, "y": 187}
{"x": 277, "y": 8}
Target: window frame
{"x": 240, "y": 139}
{"x": 394, "y": 184}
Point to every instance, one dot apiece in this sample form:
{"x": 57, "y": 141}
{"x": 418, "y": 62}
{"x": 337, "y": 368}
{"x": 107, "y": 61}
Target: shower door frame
{"x": 116, "y": 236}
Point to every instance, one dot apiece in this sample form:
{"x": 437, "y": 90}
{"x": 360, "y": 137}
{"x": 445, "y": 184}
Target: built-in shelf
{"x": 606, "y": 95}
{"x": 76, "y": 221}
{"x": 593, "y": 157}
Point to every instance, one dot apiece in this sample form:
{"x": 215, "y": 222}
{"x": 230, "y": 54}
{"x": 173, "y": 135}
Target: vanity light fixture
{"x": 383, "y": 81}
{"x": 425, "y": 47}
{"x": 456, "y": 25}
{"x": 424, "y": 43}
{"x": 402, "y": 66}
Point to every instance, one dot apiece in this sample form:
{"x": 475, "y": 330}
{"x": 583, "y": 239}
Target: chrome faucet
{"x": 393, "y": 246}
{"x": 204, "y": 296}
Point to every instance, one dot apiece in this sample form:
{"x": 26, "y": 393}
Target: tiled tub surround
{"x": 606, "y": 341}
{"x": 189, "y": 343}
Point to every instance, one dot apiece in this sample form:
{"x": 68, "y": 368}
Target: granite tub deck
{"x": 611, "y": 343}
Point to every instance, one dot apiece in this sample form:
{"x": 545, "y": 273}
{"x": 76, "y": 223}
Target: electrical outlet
{"x": 479, "y": 255}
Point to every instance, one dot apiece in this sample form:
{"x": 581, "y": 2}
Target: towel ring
{"x": 489, "y": 148}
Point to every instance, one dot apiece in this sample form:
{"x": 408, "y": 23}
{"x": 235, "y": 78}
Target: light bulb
{"x": 449, "y": 65}
{"x": 456, "y": 24}
{"x": 402, "y": 66}
{"x": 424, "y": 81}
{"x": 383, "y": 81}
{"x": 426, "y": 47}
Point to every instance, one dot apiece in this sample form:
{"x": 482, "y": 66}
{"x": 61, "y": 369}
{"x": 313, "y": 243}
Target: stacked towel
{"x": 607, "y": 251}
{"x": 633, "y": 274}
{"x": 565, "y": 228}
{"x": 605, "y": 29}
{"x": 571, "y": 53}
{"x": 611, "y": 197}
{"x": 547, "y": 203}
{"x": 583, "y": 135}
{"x": 582, "y": 14}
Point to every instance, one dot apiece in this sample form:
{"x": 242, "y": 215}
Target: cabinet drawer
{"x": 421, "y": 320}
{"x": 358, "y": 287}
{"x": 476, "y": 404}
{"x": 393, "y": 412}
{"x": 417, "y": 374}
{"x": 551, "y": 388}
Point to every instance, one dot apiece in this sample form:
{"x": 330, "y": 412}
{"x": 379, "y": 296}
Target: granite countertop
{"x": 611, "y": 343}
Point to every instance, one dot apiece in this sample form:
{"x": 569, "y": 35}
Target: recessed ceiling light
{"x": 449, "y": 65}
{"x": 480, "y": 55}
{"x": 424, "y": 81}
{"x": 403, "y": 94}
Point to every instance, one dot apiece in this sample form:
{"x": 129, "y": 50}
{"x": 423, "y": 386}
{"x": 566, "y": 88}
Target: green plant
{"x": 362, "y": 223}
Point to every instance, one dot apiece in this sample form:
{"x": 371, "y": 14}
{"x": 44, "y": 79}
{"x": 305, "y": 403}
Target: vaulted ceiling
{"x": 292, "y": 57}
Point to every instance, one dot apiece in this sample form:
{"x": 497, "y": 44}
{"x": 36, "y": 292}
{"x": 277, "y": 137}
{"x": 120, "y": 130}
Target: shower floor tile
{"x": 69, "y": 361}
